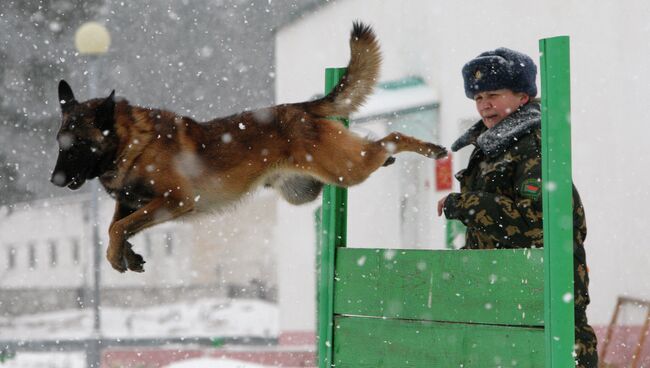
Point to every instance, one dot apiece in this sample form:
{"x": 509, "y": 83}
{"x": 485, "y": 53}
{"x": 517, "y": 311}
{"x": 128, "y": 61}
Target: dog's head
{"x": 83, "y": 137}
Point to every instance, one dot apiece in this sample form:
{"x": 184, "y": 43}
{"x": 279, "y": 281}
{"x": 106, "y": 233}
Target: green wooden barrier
{"x": 557, "y": 197}
{"x": 333, "y": 235}
{"x": 446, "y": 308}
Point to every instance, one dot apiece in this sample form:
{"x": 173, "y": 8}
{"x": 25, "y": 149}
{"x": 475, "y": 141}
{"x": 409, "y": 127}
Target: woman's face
{"x": 494, "y": 106}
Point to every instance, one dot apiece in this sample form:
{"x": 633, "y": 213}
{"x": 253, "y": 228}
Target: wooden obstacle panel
{"x": 417, "y": 308}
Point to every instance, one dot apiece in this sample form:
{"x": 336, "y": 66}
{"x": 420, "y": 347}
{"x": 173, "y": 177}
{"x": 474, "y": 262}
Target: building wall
{"x": 66, "y": 221}
{"x": 433, "y": 39}
{"x": 19, "y": 301}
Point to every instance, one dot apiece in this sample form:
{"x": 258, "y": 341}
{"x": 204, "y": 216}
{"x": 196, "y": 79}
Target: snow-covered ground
{"x": 202, "y": 318}
{"x": 77, "y": 360}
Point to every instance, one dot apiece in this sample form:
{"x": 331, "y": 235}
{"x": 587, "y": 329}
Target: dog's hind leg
{"x": 397, "y": 142}
{"x": 380, "y": 153}
{"x": 345, "y": 159}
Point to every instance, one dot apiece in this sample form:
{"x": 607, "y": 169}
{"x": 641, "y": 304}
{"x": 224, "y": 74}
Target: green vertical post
{"x": 557, "y": 198}
{"x": 333, "y": 235}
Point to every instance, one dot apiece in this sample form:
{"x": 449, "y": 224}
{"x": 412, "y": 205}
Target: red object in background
{"x": 443, "y": 173}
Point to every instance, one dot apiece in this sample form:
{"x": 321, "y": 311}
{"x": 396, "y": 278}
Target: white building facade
{"x": 47, "y": 246}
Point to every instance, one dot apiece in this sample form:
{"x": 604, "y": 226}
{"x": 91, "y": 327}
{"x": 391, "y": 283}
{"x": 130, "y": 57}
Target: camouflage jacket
{"x": 501, "y": 198}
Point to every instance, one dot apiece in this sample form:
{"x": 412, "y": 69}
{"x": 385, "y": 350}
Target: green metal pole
{"x": 333, "y": 234}
{"x": 557, "y": 196}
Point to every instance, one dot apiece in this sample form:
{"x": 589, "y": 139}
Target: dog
{"x": 159, "y": 165}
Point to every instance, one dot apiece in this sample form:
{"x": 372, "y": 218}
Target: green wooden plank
{"x": 502, "y": 286}
{"x": 333, "y": 235}
{"x": 557, "y": 200}
{"x": 376, "y": 343}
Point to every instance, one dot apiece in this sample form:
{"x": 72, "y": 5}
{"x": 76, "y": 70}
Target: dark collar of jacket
{"x": 503, "y": 135}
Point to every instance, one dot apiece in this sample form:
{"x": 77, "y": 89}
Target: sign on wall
{"x": 443, "y": 173}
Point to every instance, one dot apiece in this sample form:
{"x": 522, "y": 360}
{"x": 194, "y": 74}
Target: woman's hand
{"x": 441, "y": 204}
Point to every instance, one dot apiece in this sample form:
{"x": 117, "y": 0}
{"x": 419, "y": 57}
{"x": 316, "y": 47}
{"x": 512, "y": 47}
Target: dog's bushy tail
{"x": 360, "y": 78}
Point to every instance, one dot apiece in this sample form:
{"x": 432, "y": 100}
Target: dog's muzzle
{"x": 60, "y": 179}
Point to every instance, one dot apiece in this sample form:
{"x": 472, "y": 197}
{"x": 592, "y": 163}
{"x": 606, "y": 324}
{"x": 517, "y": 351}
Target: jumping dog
{"x": 159, "y": 165}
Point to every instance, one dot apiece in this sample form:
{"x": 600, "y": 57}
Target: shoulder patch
{"x": 531, "y": 188}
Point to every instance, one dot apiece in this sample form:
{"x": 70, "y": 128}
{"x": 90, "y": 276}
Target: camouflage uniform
{"x": 501, "y": 203}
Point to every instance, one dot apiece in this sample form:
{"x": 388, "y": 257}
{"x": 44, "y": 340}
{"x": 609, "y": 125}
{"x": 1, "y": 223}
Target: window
{"x": 169, "y": 242}
{"x": 147, "y": 245}
{"x": 53, "y": 253}
{"x": 31, "y": 255}
{"x": 75, "y": 251}
{"x": 11, "y": 257}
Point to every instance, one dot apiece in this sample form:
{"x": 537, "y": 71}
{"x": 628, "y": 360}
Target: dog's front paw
{"x": 116, "y": 259}
{"x": 134, "y": 261}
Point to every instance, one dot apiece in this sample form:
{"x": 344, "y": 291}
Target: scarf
{"x": 503, "y": 135}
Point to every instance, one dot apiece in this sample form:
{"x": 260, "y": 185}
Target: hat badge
{"x": 478, "y": 75}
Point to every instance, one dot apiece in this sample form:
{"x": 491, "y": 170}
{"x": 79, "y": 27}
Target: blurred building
{"x": 46, "y": 255}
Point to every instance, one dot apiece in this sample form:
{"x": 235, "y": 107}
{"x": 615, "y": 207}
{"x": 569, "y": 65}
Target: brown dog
{"x": 159, "y": 165}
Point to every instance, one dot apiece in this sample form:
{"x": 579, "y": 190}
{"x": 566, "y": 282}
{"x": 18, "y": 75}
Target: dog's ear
{"x": 66, "y": 97}
{"x": 105, "y": 112}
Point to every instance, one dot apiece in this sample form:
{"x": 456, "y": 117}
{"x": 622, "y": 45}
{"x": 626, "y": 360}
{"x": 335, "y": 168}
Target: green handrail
{"x": 333, "y": 235}
{"x": 557, "y": 196}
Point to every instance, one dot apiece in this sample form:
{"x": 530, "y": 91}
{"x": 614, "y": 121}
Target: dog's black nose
{"x": 58, "y": 178}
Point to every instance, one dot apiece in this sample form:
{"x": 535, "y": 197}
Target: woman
{"x": 500, "y": 200}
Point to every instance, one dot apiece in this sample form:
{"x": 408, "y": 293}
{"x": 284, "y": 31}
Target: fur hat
{"x": 500, "y": 69}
